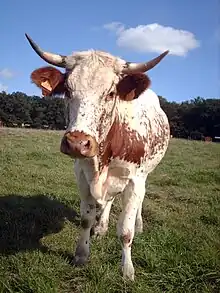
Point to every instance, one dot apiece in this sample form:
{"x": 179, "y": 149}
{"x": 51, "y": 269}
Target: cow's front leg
{"x": 88, "y": 214}
{"x": 131, "y": 198}
{"x": 101, "y": 226}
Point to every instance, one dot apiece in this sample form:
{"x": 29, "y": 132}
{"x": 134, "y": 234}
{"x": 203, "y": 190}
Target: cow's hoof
{"x": 81, "y": 255}
{"x": 80, "y": 260}
{"x": 128, "y": 271}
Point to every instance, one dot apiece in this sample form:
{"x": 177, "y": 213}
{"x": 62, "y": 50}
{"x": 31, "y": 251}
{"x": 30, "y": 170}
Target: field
{"x": 179, "y": 250}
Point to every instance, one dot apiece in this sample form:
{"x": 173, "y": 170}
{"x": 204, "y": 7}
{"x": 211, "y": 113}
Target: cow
{"x": 117, "y": 133}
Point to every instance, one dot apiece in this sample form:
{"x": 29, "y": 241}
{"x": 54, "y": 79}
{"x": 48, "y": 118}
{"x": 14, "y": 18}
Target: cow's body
{"x": 117, "y": 133}
{"x": 138, "y": 139}
{"x": 143, "y": 121}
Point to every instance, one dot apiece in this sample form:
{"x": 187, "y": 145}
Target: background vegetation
{"x": 196, "y": 118}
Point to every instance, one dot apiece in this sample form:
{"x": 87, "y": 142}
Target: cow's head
{"x": 94, "y": 83}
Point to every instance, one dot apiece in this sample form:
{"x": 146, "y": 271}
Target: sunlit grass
{"x": 179, "y": 250}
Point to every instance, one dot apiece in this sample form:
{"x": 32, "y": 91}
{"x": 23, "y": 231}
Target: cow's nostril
{"x": 85, "y": 147}
{"x": 87, "y": 144}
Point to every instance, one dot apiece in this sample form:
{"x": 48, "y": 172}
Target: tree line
{"x": 196, "y": 118}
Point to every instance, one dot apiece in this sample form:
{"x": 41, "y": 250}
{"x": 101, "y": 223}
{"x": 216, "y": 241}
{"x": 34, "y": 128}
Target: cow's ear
{"x": 49, "y": 79}
{"x": 131, "y": 86}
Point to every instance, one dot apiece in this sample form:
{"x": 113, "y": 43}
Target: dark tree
{"x": 193, "y": 119}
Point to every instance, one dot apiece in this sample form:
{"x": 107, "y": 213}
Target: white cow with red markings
{"x": 117, "y": 133}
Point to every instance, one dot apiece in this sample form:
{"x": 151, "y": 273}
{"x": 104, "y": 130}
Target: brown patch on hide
{"x": 126, "y": 238}
{"x": 49, "y": 79}
{"x": 122, "y": 142}
{"x": 131, "y": 86}
{"x": 127, "y": 144}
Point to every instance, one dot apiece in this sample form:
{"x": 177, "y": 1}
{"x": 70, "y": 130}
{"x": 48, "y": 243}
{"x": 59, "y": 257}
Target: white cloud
{"x": 6, "y": 73}
{"x": 154, "y": 38}
{"x": 114, "y": 26}
{"x": 3, "y": 88}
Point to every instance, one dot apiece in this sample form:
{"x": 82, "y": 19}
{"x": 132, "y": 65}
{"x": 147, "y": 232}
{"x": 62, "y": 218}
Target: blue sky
{"x": 136, "y": 31}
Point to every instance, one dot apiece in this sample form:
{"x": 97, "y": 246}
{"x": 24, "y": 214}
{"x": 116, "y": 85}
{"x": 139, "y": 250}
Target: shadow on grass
{"x": 25, "y": 220}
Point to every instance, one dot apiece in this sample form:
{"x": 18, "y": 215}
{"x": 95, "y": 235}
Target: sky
{"x": 136, "y": 31}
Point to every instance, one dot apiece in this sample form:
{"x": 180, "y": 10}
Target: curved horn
{"x": 54, "y": 59}
{"x": 143, "y": 67}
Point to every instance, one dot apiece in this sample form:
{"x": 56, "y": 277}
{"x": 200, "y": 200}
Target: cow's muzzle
{"x": 78, "y": 144}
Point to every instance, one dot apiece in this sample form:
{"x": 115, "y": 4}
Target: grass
{"x": 179, "y": 250}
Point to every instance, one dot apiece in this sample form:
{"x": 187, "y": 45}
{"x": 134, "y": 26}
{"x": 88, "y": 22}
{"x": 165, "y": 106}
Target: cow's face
{"x": 91, "y": 96}
{"x": 93, "y": 84}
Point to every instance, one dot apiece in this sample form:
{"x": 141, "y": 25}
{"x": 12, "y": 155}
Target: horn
{"x": 143, "y": 67}
{"x": 54, "y": 59}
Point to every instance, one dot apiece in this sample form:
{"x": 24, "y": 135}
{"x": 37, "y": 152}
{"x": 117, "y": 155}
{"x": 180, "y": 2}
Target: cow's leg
{"x": 88, "y": 214}
{"x": 101, "y": 227}
{"x": 131, "y": 198}
{"x": 139, "y": 220}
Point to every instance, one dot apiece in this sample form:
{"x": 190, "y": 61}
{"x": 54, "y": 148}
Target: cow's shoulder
{"x": 139, "y": 130}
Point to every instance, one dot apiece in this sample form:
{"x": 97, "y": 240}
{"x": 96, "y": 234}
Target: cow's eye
{"x": 111, "y": 94}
